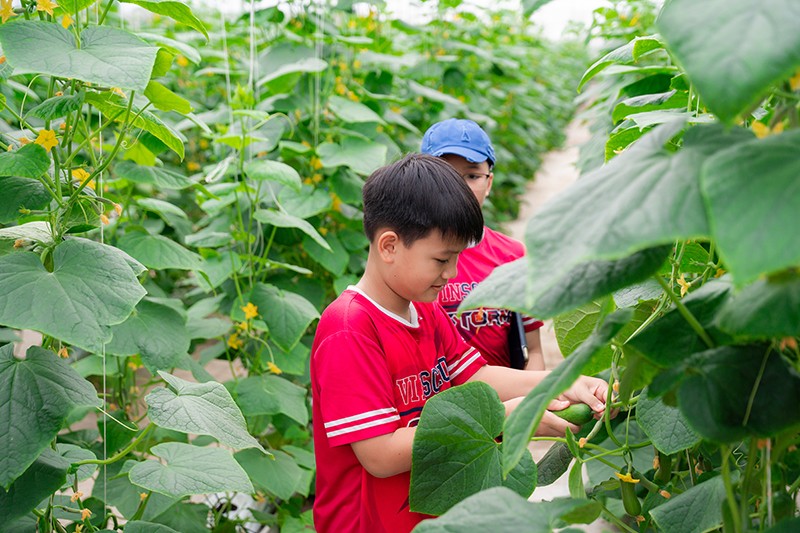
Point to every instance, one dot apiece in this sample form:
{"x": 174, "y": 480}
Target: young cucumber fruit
{"x": 577, "y": 413}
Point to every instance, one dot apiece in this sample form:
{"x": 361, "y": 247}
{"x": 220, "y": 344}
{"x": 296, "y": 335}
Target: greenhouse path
{"x": 557, "y": 172}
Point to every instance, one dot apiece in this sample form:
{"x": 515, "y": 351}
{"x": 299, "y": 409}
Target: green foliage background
{"x": 181, "y": 196}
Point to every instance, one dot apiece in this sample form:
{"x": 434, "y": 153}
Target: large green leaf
{"x": 670, "y": 339}
{"x": 665, "y": 425}
{"x": 158, "y": 176}
{"x": 166, "y": 100}
{"x": 268, "y": 170}
{"x": 753, "y": 197}
{"x": 736, "y": 391}
{"x": 352, "y": 112}
{"x": 156, "y": 332}
{"x": 114, "y": 107}
{"x": 44, "y": 477}
{"x": 282, "y": 219}
{"x": 733, "y": 51}
{"x": 139, "y": 526}
{"x": 767, "y": 308}
{"x": 306, "y": 202}
{"x": 529, "y": 6}
{"x": 92, "y": 286}
{"x": 500, "y": 509}
{"x": 190, "y": 470}
{"x": 20, "y": 193}
{"x": 106, "y": 56}
{"x": 334, "y": 259}
{"x": 287, "y": 314}
{"x": 58, "y": 106}
{"x": 36, "y": 396}
{"x": 694, "y": 511}
{"x": 279, "y": 475}
{"x": 456, "y": 454}
{"x": 522, "y": 422}
{"x": 201, "y": 409}
{"x": 115, "y": 488}
{"x": 359, "y": 154}
{"x": 157, "y": 251}
{"x": 627, "y": 53}
{"x": 30, "y": 161}
{"x": 515, "y": 286}
{"x": 645, "y": 197}
{"x": 272, "y": 395}
{"x": 177, "y": 11}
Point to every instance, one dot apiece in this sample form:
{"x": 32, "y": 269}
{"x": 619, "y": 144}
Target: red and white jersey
{"x": 371, "y": 373}
{"x": 485, "y": 329}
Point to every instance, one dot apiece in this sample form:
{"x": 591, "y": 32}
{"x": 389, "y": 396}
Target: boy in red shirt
{"x": 384, "y": 346}
{"x": 465, "y": 145}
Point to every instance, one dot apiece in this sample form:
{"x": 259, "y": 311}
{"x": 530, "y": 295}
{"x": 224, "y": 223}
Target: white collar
{"x": 413, "y": 323}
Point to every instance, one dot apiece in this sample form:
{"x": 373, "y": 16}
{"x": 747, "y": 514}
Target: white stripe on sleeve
{"x": 360, "y": 416}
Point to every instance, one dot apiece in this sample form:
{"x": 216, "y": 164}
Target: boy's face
{"x": 420, "y": 271}
{"x": 477, "y": 175}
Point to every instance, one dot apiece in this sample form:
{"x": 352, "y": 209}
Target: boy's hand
{"x": 588, "y": 390}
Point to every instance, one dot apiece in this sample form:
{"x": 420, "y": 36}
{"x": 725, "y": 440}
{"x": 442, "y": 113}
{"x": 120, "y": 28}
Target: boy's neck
{"x": 373, "y": 286}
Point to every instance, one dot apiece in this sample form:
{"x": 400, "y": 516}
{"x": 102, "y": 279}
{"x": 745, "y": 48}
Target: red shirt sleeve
{"x": 354, "y": 389}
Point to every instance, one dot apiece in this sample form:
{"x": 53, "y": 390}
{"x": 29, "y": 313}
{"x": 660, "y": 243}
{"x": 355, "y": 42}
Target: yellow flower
{"x": 250, "y": 310}
{"x": 24, "y": 140}
{"x": 794, "y": 82}
{"x": 235, "y": 342}
{"x": 2, "y": 59}
{"x": 192, "y": 166}
{"x": 337, "y": 203}
{"x": 85, "y": 513}
{"x": 78, "y": 528}
{"x": 118, "y": 209}
{"x": 142, "y": 496}
{"x": 67, "y": 21}
{"x": 242, "y": 326}
{"x": 340, "y": 89}
{"x": 118, "y": 92}
{"x": 80, "y": 174}
{"x": 62, "y": 126}
{"x": 104, "y": 219}
{"x": 684, "y": 285}
{"x": 75, "y": 497}
{"x": 356, "y": 64}
{"x": 581, "y": 442}
{"x": 6, "y": 11}
{"x": 46, "y": 5}
{"x": 720, "y": 272}
{"x": 786, "y": 342}
{"x": 274, "y": 368}
{"x": 323, "y": 231}
{"x": 634, "y": 20}
{"x": 19, "y": 243}
{"x": 63, "y": 353}
{"x": 761, "y": 130}
{"x": 182, "y": 61}
{"x": 665, "y": 494}
{"x": 47, "y": 139}
{"x": 615, "y": 387}
{"x": 316, "y": 163}
{"x": 627, "y": 478}
{"x": 352, "y": 96}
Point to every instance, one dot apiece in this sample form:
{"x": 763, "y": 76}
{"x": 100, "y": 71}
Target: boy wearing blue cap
{"x": 465, "y": 145}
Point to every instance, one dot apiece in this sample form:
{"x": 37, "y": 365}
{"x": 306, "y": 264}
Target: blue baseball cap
{"x": 461, "y": 137}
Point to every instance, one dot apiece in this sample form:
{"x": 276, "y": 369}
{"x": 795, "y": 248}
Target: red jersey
{"x": 371, "y": 373}
{"x": 485, "y": 329}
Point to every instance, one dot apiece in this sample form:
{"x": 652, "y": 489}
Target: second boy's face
{"x": 424, "y": 268}
{"x": 476, "y": 175}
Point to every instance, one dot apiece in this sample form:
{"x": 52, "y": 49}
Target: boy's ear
{"x": 387, "y": 243}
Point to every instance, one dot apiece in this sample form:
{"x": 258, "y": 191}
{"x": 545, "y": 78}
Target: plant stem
{"x": 726, "y": 477}
{"x": 122, "y": 453}
{"x": 685, "y": 313}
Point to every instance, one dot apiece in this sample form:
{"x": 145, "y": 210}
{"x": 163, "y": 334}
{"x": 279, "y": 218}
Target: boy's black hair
{"x": 418, "y": 194}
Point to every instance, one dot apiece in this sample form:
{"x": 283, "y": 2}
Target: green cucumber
{"x": 577, "y": 413}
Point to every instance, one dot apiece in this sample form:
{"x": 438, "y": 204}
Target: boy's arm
{"x": 386, "y": 455}
{"x": 510, "y": 383}
{"x": 535, "y": 355}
